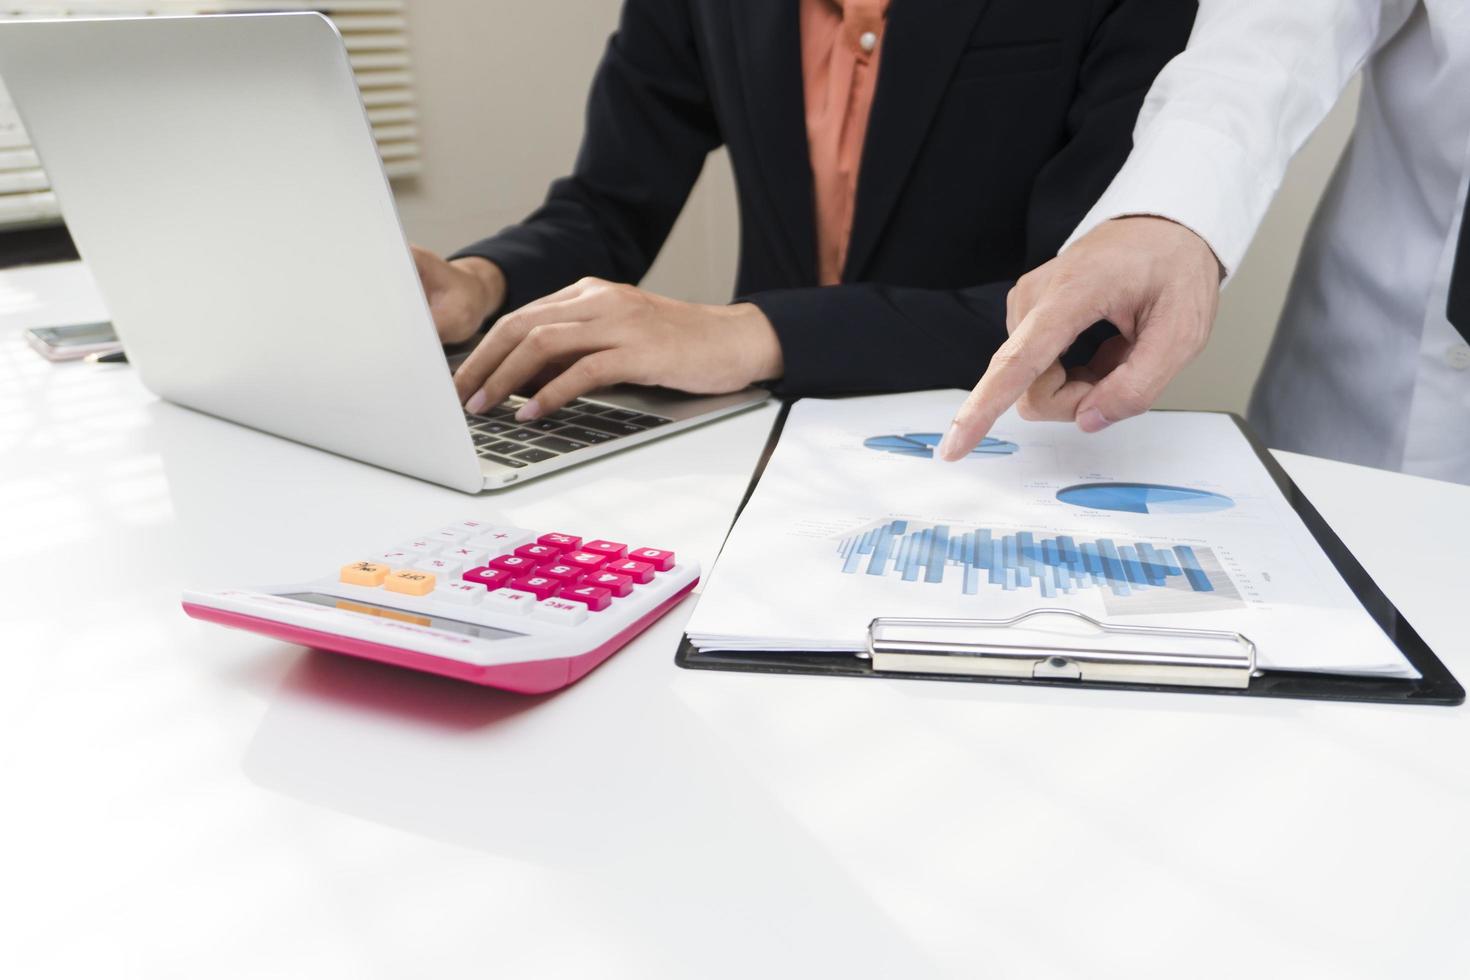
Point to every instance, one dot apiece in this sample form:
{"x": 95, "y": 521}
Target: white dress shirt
{"x": 1365, "y": 366}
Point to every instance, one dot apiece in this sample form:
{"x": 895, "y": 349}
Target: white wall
{"x": 501, "y": 89}
{"x": 502, "y": 86}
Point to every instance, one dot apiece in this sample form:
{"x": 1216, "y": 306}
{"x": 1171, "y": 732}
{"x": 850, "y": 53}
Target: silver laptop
{"x": 220, "y": 178}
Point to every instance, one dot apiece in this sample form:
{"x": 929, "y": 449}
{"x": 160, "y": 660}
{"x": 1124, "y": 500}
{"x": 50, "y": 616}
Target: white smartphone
{"x": 74, "y": 341}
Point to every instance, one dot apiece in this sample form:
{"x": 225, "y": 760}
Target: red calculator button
{"x": 639, "y": 571}
{"x": 596, "y": 599}
{"x": 586, "y": 560}
{"x": 538, "y": 585}
{"x": 541, "y": 554}
{"x": 490, "y": 578}
{"x": 660, "y": 560}
{"x": 565, "y": 574}
{"x": 513, "y": 563}
{"x": 561, "y": 542}
{"x": 618, "y": 585}
{"x": 611, "y": 549}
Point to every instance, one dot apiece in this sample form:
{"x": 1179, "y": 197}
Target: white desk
{"x": 186, "y": 801}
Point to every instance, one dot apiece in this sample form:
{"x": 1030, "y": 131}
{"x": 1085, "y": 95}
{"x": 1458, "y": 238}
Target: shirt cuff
{"x": 1193, "y": 175}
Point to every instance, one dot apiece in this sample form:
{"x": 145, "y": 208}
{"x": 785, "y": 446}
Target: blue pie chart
{"x": 1144, "y": 498}
{"x": 921, "y": 445}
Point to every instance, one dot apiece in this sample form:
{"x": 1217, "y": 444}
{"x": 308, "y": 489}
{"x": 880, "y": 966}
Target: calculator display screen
{"x": 403, "y": 615}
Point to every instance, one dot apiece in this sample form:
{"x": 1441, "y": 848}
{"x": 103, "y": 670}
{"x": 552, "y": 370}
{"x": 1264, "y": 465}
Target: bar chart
{"x": 1133, "y": 577}
{"x": 920, "y": 445}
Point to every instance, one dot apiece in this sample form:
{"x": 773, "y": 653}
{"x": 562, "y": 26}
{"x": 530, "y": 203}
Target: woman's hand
{"x": 596, "y": 333}
{"x": 461, "y": 293}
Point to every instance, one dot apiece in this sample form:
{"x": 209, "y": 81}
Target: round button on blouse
{"x": 1458, "y": 357}
{"x": 868, "y": 41}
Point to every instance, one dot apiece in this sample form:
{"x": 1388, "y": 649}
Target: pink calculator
{"x": 502, "y": 606}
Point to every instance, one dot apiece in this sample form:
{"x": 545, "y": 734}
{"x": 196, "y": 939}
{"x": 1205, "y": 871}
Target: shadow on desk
{"x": 393, "y": 692}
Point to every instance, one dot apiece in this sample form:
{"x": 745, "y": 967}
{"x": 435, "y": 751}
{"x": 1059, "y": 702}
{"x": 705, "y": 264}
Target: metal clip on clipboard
{"x": 1061, "y": 644}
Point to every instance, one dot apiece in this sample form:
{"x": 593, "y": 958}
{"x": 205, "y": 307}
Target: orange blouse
{"x": 840, "y": 44}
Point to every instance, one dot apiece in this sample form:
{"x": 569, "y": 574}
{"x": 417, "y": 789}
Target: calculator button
{"x": 502, "y": 539}
{"x": 467, "y": 554}
{"x": 565, "y": 574}
{"x": 612, "y": 549}
{"x": 514, "y": 563}
{"x": 398, "y": 559}
{"x": 561, "y": 542}
{"x": 509, "y": 601}
{"x": 448, "y": 535}
{"x": 473, "y": 528}
{"x": 459, "y": 593}
{"x": 443, "y": 567}
{"x": 541, "y": 554}
{"x": 422, "y": 546}
{"x": 596, "y": 599}
{"x": 585, "y": 560}
{"x": 538, "y": 585}
{"x": 559, "y": 611}
{"x": 639, "y": 571}
{"x": 410, "y": 581}
{"x": 659, "y": 559}
{"x": 490, "y": 578}
{"x": 367, "y": 573}
{"x": 618, "y": 585}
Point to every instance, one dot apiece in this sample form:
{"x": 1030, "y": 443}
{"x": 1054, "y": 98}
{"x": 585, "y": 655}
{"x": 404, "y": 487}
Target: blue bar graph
{"x": 1024, "y": 560}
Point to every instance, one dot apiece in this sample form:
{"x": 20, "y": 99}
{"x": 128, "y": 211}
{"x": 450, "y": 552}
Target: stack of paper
{"x": 1166, "y": 520}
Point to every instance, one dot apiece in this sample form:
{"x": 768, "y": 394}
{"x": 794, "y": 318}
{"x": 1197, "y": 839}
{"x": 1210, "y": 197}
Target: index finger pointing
{"x": 1038, "y": 341}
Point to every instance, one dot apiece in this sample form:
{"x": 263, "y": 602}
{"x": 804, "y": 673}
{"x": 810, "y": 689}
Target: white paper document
{"x": 1165, "y": 520}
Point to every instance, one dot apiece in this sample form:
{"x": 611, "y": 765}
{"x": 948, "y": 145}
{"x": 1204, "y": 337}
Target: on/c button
{"x": 1457, "y": 356}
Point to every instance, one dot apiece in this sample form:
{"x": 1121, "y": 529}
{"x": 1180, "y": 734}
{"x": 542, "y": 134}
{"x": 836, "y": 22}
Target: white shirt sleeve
{"x": 1224, "y": 118}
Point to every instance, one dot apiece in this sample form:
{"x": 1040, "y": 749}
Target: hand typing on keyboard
{"x": 596, "y": 333}
{"x": 461, "y": 293}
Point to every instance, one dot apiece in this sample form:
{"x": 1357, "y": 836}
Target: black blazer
{"x": 996, "y": 124}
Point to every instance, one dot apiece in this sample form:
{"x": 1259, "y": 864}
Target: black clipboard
{"x": 1435, "y": 686}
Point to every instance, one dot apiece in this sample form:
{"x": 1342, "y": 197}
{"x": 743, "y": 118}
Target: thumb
{"x": 1132, "y": 387}
{"x": 428, "y": 266}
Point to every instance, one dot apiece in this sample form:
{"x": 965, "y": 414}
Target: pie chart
{"x": 921, "y": 445}
{"x": 1144, "y": 498}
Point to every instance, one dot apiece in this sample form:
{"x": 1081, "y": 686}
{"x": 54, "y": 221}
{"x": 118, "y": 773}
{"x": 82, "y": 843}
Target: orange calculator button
{"x": 364, "y": 573}
{"x": 410, "y": 582}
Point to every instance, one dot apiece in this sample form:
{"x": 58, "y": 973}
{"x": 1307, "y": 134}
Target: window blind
{"x": 376, "y": 35}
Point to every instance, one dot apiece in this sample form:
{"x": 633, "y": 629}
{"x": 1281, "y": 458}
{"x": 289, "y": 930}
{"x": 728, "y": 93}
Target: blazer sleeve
{"x": 870, "y": 337}
{"x": 649, "y": 127}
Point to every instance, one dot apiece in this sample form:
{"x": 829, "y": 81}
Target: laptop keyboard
{"x": 501, "y": 439}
